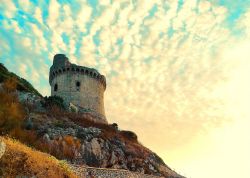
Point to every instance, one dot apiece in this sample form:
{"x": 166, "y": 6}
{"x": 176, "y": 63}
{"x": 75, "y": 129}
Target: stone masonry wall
{"x": 89, "y": 95}
{"x": 90, "y": 172}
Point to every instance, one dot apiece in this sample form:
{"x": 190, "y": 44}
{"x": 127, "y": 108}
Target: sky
{"x": 177, "y": 70}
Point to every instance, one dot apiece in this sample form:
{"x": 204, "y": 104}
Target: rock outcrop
{"x": 98, "y": 150}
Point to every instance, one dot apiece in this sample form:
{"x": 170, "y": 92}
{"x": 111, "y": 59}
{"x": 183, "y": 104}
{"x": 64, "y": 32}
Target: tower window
{"x": 55, "y": 87}
{"x": 78, "y": 84}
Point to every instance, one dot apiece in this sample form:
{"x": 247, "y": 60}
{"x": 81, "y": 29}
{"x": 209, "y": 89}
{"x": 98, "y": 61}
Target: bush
{"x": 10, "y": 84}
{"x": 129, "y": 135}
{"x": 12, "y": 113}
{"x": 115, "y": 126}
{"x": 53, "y": 101}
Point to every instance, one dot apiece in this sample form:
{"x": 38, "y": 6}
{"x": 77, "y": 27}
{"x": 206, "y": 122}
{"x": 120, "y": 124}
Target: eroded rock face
{"x": 31, "y": 99}
{"x": 96, "y": 148}
{"x": 98, "y": 151}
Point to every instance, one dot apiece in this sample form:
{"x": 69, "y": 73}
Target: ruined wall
{"x": 89, "y": 172}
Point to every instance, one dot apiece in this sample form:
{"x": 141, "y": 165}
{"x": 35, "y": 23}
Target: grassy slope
{"x": 22, "y": 84}
{"x": 20, "y": 160}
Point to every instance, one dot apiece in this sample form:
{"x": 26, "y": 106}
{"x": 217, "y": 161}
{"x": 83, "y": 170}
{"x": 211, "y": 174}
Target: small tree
{"x": 11, "y": 111}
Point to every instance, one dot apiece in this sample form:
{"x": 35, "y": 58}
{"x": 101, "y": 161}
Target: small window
{"x": 56, "y": 87}
{"x": 78, "y": 85}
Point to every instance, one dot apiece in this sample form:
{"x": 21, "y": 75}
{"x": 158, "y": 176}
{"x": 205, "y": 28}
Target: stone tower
{"x": 82, "y": 86}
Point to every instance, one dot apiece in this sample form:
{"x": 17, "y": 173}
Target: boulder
{"x": 46, "y": 138}
{"x": 73, "y": 108}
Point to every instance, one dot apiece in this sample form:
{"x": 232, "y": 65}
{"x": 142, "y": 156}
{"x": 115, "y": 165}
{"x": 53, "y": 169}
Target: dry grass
{"x": 20, "y": 160}
{"x": 65, "y": 148}
{"x": 11, "y": 111}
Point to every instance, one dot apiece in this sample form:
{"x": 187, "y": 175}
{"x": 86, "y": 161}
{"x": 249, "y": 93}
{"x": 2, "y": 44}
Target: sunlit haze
{"x": 178, "y": 72}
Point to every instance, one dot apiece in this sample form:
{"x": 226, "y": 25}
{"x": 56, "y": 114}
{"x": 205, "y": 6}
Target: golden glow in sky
{"x": 221, "y": 150}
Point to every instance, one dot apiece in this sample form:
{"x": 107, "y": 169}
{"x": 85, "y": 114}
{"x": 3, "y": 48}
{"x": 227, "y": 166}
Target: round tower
{"x": 82, "y": 86}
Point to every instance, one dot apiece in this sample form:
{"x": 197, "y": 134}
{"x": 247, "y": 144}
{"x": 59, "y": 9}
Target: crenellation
{"x": 88, "y": 72}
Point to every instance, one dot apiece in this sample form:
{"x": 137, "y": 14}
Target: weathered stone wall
{"x": 89, "y": 95}
{"x": 90, "y": 172}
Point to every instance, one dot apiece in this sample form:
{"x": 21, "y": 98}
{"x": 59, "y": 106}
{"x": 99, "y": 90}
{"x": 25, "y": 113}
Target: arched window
{"x": 78, "y": 85}
{"x": 55, "y": 87}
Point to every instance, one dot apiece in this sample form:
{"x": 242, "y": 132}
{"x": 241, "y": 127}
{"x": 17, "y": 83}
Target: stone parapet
{"x": 74, "y": 69}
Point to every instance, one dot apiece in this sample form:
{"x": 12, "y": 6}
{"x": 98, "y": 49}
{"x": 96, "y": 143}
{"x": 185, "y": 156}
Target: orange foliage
{"x": 10, "y": 84}
{"x": 22, "y": 161}
{"x": 11, "y": 111}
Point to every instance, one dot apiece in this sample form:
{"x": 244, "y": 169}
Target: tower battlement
{"x": 82, "y": 86}
{"x": 61, "y": 65}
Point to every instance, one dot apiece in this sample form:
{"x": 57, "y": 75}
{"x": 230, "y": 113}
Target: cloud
{"x": 147, "y": 68}
{"x": 9, "y": 8}
{"x": 54, "y": 12}
{"x": 40, "y": 42}
{"x": 83, "y": 17}
{"x": 38, "y": 15}
{"x": 163, "y": 60}
{"x": 25, "y": 5}
{"x": 176, "y": 82}
{"x": 243, "y": 23}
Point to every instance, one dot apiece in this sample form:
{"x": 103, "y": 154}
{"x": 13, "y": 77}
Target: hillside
{"x": 47, "y": 125}
{"x": 22, "y": 84}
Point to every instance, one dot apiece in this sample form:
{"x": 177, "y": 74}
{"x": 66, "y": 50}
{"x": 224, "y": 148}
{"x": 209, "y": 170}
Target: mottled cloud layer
{"x": 164, "y": 60}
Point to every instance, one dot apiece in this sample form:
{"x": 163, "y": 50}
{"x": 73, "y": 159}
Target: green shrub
{"x": 51, "y": 101}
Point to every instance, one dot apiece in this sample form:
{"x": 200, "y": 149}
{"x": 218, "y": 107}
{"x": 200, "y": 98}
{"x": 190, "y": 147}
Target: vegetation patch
{"x": 22, "y": 161}
{"x": 53, "y": 101}
{"x": 22, "y": 84}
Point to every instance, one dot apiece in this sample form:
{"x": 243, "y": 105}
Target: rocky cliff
{"x": 78, "y": 138}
